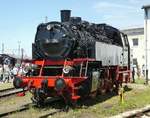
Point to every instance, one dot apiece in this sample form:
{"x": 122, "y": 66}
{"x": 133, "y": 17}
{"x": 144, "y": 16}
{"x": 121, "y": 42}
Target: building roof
{"x": 145, "y": 6}
{"x": 134, "y": 31}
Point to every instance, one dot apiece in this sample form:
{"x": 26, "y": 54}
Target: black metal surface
{"x": 65, "y": 15}
{"x": 52, "y": 41}
{"x": 75, "y": 20}
{"x": 72, "y": 38}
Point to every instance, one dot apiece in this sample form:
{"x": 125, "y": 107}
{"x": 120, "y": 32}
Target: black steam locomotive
{"x": 74, "y": 38}
{"x": 75, "y": 59}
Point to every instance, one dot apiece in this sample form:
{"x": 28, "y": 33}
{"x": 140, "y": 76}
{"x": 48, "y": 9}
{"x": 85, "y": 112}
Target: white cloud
{"x": 141, "y": 2}
{"x": 113, "y": 17}
{"x": 108, "y": 5}
{"x": 135, "y": 1}
{"x": 117, "y": 8}
{"x": 119, "y": 14}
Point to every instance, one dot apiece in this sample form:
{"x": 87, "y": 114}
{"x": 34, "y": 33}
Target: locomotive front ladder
{"x": 83, "y": 68}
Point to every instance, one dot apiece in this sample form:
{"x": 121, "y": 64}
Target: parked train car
{"x": 74, "y": 59}
{"x": 7, "y": 60}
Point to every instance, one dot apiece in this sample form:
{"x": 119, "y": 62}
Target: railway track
{"x": 6, "y": 89}
{"x": 9, "y": 92}
{"x": 15, "y": 110}
{"x": 52, "y": 113}
{"x": 137, "y": 113}
{"x": 27, "y": 106}
{"x": 141, "y": 114}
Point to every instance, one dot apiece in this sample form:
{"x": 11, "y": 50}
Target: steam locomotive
{"x": 74, "y": 59}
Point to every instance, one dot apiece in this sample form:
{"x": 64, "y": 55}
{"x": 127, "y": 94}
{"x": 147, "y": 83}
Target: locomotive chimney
{"x": 65, "y": 15}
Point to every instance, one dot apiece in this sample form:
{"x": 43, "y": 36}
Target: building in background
{"x": 147, "y": 39}
{"x": 137, "y": 46}
{"x": 139, "y": 39}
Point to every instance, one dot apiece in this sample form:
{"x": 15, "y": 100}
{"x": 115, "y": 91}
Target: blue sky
{"x": 19, "y": 18}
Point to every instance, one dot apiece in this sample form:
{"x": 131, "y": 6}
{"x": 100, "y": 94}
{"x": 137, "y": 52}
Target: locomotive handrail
{"x": 86, "y": 68}
{"x": 42, "y": 68}
{"x": 81, "y": 69}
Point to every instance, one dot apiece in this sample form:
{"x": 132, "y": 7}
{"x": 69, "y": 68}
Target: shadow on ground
{"x": 60, "y": 105}
{"x": 100, "y": 98}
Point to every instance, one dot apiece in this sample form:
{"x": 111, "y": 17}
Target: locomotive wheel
{"x": 110, "y": 85}
{"x": 85, "y": 88}
{"x": 94, "y": 94}
{"x": 70, "y": 103}
{"x": 67, "y": 99}
{"x": 38, "y": 98}
{"x": 102, "y": 89}
{"x": 39, "y": 102}
{"x": 74, "y": 103}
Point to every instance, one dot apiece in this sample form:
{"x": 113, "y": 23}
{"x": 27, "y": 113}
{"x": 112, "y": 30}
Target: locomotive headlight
{"x": 49, "y": 27}
{"x": 67, "y": 69}
{"x": 60, "y": 84}
{"x": 64, "y": 35}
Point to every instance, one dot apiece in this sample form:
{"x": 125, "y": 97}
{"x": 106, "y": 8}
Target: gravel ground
{"x": 5, "y": 85}
{"x": 11, "y": 102}
{"x": 137, "y": 86}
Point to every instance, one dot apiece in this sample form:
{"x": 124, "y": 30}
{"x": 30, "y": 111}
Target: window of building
{"x": 135, "y": 61}
{"x": 135, "y": 41}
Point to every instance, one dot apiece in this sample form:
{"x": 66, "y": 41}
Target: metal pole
{"x": 146, "y": 41}
{"x": 22, "y": 53}
{"x": 19, "y": 48}
{"x": 2, "y": 48}
{"x": 22, "y": 58}
{"x": 46, "y": 19}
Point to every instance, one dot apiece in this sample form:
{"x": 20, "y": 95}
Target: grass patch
{"x": 140, "y": 81}
{"x": 133, "y": 99}
{"x": 101, "y": 107}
